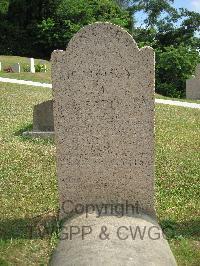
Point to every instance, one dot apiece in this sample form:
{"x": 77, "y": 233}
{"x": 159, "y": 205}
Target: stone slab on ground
{"x": 39, "y": 134}
{"x": 119, "y": 249}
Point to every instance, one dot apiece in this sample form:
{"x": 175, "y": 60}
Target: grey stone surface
{"x": 197, "y": 71}
{"x": 120, "y": 246}
{"x": 39, "y": 134}
{"x": 43, "y": 121}
{"x": 103, "y": 87}
{"x": 193, "y": 86}
{"x": 43, "y": 116}
{"x": 16, "y": 68}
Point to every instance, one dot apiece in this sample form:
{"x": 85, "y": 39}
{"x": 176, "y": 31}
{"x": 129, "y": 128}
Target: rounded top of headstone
{"x": 101, "y": 35}
{"x": 102, "y": 32}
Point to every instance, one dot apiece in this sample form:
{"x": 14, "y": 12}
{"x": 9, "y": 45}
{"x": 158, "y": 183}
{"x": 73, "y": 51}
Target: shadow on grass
{"x": 188, "y": 229}
{"x": 41, "y": 227}
{"x": 29, "y": 127}
{"x": 45, "y": 225}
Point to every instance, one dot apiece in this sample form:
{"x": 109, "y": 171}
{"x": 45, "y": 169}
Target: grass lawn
{"x": 38, "y": 76}
{"x": 46, "y": 77}
{"x": 29, "y": 197}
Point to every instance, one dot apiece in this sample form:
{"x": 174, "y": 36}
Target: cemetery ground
{"x": 38, "y": 76}
{"x": 29, "y": 198}
{"x": 46, "y": 77}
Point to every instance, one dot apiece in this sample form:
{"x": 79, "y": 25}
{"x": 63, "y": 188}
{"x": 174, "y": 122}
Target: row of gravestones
{"x": 43, "y": 122}
{"x": 16, "y": 68}
{"x": 103, "y": 97}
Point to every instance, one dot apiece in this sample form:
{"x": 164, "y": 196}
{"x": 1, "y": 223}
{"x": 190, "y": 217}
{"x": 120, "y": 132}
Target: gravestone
{"x": 16, "y": 68}
{"x": 193, "y": 86}
{"x": 43, "y": 124}
{"x": 43, "y": 116}
{"x": 32, "y": 65}
{"x": 103, "y": 87}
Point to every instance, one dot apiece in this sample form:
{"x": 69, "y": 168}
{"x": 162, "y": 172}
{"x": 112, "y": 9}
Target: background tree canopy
{"x": 36, "y": 27}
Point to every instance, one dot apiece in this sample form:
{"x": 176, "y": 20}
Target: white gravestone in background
{"x": 32, "y": 65}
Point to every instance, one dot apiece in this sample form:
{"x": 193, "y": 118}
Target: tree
{"x": 152, "y": 8}
{"x": 72, "y": 15}
{"x": 4, "y": 7}
{"x": 174, "y": 65}
{"x": 37, "y": 27}
{"x": 172, "y": 33}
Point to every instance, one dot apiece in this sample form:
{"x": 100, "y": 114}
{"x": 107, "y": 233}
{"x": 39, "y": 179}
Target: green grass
{"x": 29, "y": 197}
{"x": 178, "y": 179}
{"x": 46, "y": 77}
{"x": 27, "y": 179}
{"x": 39, "y": 76}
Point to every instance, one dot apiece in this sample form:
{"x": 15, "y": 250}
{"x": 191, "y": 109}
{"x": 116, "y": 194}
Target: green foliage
{"x": 152, "y": 8}
{"x": 40, "y": 67}
{"x": 26, "y": 68}
{"x": 72, "y": 15}
{"x": 172, "y": 34}
{"x": 4, "y": 7}
{"x": 29, "y": 193}
{"x": 34, "y": 28}
{"x": 173, "y": 67}
{"x": 37, "y": 27}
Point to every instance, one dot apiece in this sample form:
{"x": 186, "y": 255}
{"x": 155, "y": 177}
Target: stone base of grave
{"x": 39, "y": 134}
{"x": 117, "y": 246}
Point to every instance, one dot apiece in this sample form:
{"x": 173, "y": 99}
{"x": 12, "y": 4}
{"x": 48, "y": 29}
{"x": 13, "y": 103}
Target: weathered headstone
{"x": 193, "y": 86}
{"x": 43, "y": 124}
{"x": 32, "y": 65}
{"x": 103, "y": 87}
{"x": 16, "y": 68}
{"x": 0, "y": 66}
{"x": 43, "y": 116}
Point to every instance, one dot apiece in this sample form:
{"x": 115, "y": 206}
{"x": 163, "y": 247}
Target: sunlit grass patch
{"x": 28, "y": 182}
